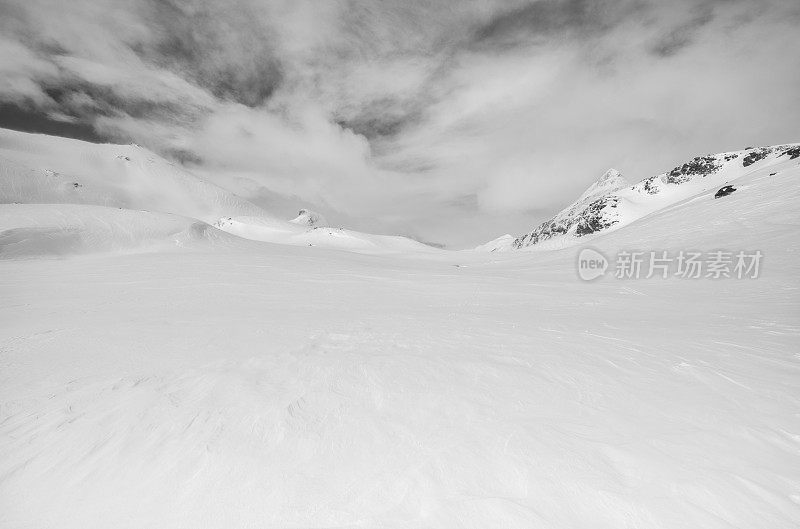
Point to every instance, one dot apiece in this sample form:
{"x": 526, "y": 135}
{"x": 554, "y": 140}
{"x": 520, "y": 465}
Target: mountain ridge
{"x": 599, "y": 210}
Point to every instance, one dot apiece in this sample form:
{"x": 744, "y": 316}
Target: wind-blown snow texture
{"x": 610, "y": 204}
{"x": 164, "y": 374}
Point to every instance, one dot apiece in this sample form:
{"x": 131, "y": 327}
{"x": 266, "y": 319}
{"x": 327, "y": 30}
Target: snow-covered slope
{"x": 39, "y": 169}
{"x": 607, "y": 206}
{"x": 255, "y": 228}
{"x": 60, "y": 230}
{"x": 500, "y": 244}
{"x": 762, "y": 214}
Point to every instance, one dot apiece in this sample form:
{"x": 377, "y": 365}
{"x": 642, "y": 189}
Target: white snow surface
{"x": 257, "y": 229}
{"x": 161, "y": 373}
{"x": 61, "y": 230}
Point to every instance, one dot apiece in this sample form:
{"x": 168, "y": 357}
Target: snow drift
{"x": 300, "y": 234}
{"x": 60, "y": 230}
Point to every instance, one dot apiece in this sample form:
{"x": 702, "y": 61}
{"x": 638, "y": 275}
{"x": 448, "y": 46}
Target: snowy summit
{"x": 612, "y": 180}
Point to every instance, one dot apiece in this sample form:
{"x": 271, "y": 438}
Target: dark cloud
{"x": 546, "y": 19}
{"x": 373, "y": 126}
{"x": 227, "y": 49}
{"x": 184, "y": 156}
{"x": 28, "y": 119}
{"x": 85, "y": 101}
{"x": 382, "y": 119}
{"x": 683, "y": 35}
{"x": 467, "y": 202}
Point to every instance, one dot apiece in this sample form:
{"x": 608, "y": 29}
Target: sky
{"x": 449, "y": 121}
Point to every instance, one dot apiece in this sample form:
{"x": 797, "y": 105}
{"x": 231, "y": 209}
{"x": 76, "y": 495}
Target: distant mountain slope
{"x": 500, "y": 244}
{"x": 39, "y": 169}
{"x": 761, "y": 214}
{"x": 609, "y": 204}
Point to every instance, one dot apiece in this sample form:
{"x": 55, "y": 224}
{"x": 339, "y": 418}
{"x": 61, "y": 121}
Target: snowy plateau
{"x": 174, "y": 356}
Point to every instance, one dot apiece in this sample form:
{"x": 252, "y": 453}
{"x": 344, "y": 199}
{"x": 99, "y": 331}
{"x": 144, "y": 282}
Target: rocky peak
{"x": 307, "y": 217}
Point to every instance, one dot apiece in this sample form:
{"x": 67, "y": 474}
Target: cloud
{"x": 21, "y": 72}
{"x": 300, "y": 152}
{"x": 450, "y": 120}
{"x": 540, "y": 21}
{"x": 225, "y": 47}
